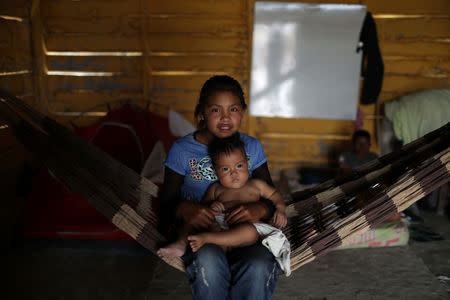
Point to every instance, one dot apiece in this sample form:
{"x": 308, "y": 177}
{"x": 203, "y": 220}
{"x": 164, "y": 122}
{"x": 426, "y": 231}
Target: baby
{"x": 234, "y": 188}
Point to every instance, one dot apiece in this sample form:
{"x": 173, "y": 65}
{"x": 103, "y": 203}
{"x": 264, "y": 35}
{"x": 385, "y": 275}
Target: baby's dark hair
{"x": 360, "y": 133}
{"x": 225, "y": 146}
{"x": 218, "y": 83}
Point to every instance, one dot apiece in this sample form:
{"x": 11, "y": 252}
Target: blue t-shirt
{"x": 190, "y": 158}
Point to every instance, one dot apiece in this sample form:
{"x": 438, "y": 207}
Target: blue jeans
{"x": 242, "y": 273}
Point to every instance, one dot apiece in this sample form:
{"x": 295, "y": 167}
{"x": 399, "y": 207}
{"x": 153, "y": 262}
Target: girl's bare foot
{"x": 175, "y": 249}
{"x": 196, "y": 241}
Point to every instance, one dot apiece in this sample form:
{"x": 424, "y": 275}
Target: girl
{"x": 242, "y": 273}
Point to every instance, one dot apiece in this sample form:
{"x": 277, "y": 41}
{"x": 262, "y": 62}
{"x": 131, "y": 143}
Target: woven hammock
{"x": 319, "y": 219}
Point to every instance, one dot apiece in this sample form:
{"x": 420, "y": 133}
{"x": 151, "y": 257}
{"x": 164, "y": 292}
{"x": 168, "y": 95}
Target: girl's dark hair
{"x": 225, "y": 146}
{"x": 218, "y": 83}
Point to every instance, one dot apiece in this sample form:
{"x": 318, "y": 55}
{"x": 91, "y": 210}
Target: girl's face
{"x": 223, "y": 114}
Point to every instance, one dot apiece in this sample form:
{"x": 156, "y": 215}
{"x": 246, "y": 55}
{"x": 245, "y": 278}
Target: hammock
{"x": 319, "y": 219}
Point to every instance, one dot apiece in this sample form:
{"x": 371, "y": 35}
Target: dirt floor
{"x": 46, "y": 269}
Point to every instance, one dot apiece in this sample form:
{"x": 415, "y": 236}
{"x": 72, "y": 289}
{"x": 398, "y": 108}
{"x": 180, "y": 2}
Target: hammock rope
{"x": 319, "y": 219}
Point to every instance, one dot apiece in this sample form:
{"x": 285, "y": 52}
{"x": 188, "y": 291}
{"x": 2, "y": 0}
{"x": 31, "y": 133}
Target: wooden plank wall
{"x": 159, "y": 53}
{"x": 156, "y": 52}
{"x": 16, "y": 76}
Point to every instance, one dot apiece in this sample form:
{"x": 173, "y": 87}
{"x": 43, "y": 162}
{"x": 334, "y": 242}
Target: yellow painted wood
{"x": 119, "y": 83}
{"x": 178, "y": 42}
{"x": 413, "y": 29}
{"x": 18, "y": 8}
{"x": 311, "y": 151}
{"x": 96, "y": 102}
{"x": 415, "y": 48}
{"x": 434, "y": 7}
{"x": 367, "y": 109}
{"x": 389, "y": 96}
{"x": 13, "y": 32}
{"x": 423, "y": 67}
{"x": 86, "y": 98}
{"x": 133, "y": 65}
{"x": 161, "y": 85}
{"x": 92, "y": 116}
{"x": 406, "y": 84}
{"x": 111, "y": 8}
{"x": 305, "y": 136}
{"x": 313, "y": 126}
{"x": 18, "y": 84}
{"x": 12, "y": 59}
{"x": 84, "y": 101}
{"x": 130, "y": 26}
{"x": 95, "y": 106}
{"x": 182, "y": 84}
{"x": 235, "y": 7}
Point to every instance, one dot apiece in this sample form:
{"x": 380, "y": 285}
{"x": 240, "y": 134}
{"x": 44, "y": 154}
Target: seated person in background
{"x": 234, "y": 187}
{"x": 360, "y": 154}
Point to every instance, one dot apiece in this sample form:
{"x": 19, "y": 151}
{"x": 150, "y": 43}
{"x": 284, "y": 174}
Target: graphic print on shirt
{"x": 194, "y": 174}
{"x": 204, "y": 169}
{"x": 248, "y": 161}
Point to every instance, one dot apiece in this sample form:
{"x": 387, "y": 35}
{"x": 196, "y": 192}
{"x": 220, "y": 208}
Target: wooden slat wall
{"x": 160, "y": 52}
{"x": 16, "y": 76}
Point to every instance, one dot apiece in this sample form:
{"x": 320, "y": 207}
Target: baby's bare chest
{"x": 237, "y": 196}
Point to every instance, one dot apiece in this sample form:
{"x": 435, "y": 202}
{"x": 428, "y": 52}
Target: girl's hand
{"x": 249, "y": 212}
{"x": 279, "y": 219}
{"x": 196, "y": 215}
{"x": 217, "y": 207}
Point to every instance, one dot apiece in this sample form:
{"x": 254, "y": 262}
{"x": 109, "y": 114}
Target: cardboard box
{"x": 387, "y": 234}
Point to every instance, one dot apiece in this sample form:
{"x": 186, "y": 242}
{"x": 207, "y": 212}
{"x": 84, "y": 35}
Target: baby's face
{"x": 232, "y": 169}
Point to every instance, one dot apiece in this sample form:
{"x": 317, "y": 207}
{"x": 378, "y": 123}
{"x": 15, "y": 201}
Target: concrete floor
{"x": 124, "y": 270}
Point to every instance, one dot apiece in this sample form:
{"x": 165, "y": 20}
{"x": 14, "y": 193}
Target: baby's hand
{"x": 217, "y": 207}
{"x": 279, "y": 219}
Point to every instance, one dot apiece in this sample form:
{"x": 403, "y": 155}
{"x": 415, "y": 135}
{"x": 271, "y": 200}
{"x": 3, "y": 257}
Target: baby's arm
{"x": 210, "y": 199}
{"x": 269, "y": 192}
{"x": 210, "y": 194}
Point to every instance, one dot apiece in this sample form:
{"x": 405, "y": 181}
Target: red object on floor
{"x": 52, "y": 211}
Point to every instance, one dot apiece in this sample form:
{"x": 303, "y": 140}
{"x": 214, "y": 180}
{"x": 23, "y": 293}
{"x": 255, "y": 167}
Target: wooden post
{"x": 38, "y": 58}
